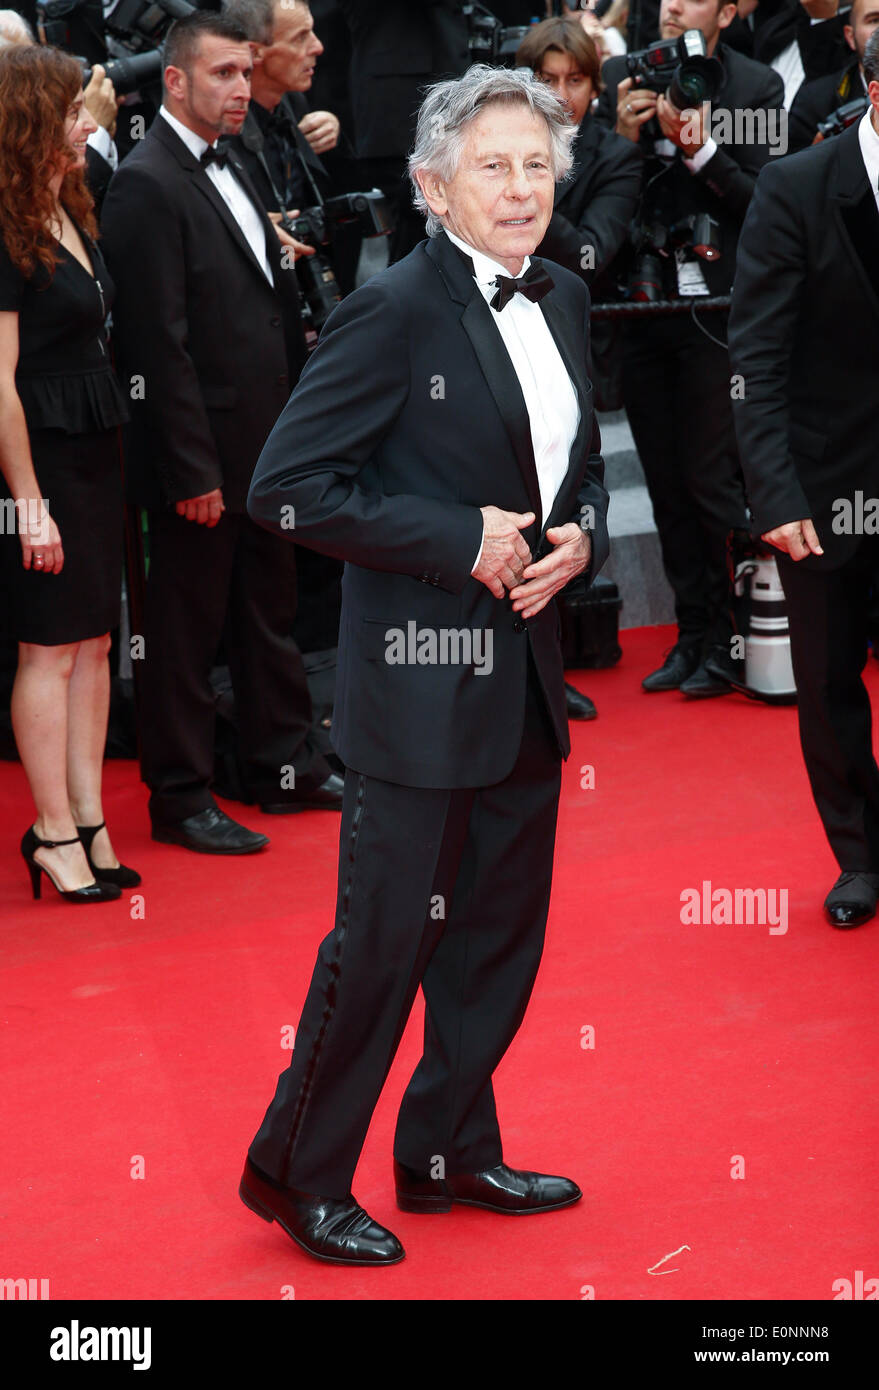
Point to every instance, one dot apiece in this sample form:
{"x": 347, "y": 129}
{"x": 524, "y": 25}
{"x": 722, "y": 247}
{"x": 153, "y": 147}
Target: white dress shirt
{"x": 869, "y": 142}
{"x": 550, "y": 397}
{"x": 232, "y": 192}
{"x": 100, "y": 140}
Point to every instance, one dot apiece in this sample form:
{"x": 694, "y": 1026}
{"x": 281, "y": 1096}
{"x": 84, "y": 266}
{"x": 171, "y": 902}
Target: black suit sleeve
{"x": 732, "y": 177}
{"x": 350, "y": 394}
{"x": 142, "y": 239}
{"x": 592, "y": 492}
{"x": 603, "y": 222}
{"x": 770, "y": 275}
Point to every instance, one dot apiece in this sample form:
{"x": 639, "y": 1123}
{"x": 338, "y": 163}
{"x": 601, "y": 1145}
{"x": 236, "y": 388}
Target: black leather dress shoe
{"x": 210, "y": 832}
{"x": 513, "y": 1191}
{"x": 326, "y": 797}
{"x": 680, "y": 662}
{"x": 852, "y": 899}
{"x": 716, "y": 674}
{"x": 334, "y": 1229}
{"x": 579, "y": 705}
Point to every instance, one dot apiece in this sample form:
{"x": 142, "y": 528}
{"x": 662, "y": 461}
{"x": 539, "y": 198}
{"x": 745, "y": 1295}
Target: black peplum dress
{"x": 73, "y": 406}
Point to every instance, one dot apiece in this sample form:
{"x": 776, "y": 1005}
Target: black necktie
{"x": 534, "y": 284}
{"x": 214, "y": 156}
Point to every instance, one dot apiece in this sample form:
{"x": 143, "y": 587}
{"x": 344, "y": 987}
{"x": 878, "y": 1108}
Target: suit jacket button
{"x": 275, "y": 321}
{"x": 518, "y": 625}
{"x": 282, "y": 379}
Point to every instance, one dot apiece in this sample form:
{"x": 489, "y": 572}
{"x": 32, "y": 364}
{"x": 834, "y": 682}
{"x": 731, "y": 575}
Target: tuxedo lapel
{"x": 857, "y": 215}
{"x": 207, "y": 187}
{"x": 573, "y": 353}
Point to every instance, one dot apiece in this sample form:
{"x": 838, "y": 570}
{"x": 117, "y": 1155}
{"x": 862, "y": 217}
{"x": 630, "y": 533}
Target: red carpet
{"x": 716, "y": 1047}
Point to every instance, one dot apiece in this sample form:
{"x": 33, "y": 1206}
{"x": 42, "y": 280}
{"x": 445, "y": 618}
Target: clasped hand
{"x": 505, "y": 562}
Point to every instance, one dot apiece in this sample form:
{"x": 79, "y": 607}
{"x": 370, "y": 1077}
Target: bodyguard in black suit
{"x": 417, "y": 450}
{"x": 804, "y": 331}
{"x": 210, "y": 337}
{"x": 676, "y": 375}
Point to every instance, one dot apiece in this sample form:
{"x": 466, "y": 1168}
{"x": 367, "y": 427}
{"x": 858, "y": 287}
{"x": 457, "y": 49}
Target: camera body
{"x": 370, "y": 212}
{"x": 844, "y": 116}
{"x": 489, "y": 41}
{"x": 680, "y": 68}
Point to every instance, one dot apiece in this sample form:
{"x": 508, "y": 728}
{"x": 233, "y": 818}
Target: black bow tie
{"x": 534, "y": 284}
{"x": 214, "y": 156}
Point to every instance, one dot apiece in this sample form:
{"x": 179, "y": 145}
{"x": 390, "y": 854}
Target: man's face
{"x": 213, "y": 97}
{"x": 568, "y": 81}
{"x": 676, "y": 16}
{"x": 500, "y": 200}
{"x": 864, "y": 19}
{"x": 289, "y": 61}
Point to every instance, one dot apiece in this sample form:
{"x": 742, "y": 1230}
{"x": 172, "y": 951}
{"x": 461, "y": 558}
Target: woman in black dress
{"x": 60, "y": 408}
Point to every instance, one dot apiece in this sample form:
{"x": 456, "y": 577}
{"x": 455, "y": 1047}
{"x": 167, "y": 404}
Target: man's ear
{"x": 175, "y": 82}
{"x": 257, "y": 53}
{"x": 434, "y": 191}
{"x": 725, "y": 15}
{"x": 849, "y": 37}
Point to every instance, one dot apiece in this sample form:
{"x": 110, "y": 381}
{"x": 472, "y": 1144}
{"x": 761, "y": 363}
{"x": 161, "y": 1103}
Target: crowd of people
{"x": 178, "y": 219}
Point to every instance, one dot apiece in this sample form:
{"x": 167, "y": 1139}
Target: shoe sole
{"x": 169, "y": 838}
{"x": 298, "y": 806}
{"x": 426, "y": 1206}
{"x": 255, "y": 1205}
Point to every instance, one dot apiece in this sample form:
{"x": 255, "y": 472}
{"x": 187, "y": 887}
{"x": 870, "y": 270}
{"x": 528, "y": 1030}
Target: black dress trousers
{"x": 235, "y": 582}
{"x": 676, "y": 387}
{"x": 444, "y": 888}
{"x": 829, "y": 617}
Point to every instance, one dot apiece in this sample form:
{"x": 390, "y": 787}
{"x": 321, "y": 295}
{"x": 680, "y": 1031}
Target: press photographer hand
{"x": 634, "y": 109}
{"x": 686, "y": 129}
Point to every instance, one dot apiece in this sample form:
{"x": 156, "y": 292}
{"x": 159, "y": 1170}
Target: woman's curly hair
{"x": 37, "y": 87}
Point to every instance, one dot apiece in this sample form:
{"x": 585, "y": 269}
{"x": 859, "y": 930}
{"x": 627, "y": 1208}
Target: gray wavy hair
{"x": 450, "y": 106}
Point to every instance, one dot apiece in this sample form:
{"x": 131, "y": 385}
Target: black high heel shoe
{"x": 92, "y": 893}
{"x": 122, "y": 877}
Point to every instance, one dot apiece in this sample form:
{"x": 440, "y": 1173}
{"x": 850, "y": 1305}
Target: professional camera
{"x": 370, "y": 212}
{"x": 678, "y": 67}
{"x": 655, "y": 246}
{"x": 136, "y": 28}
{"x": 844, "y": 116}
{"x": 488, "y": 40}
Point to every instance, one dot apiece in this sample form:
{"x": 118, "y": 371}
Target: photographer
{"x": 676, "y": 375}
{"x": 818, "y": 100}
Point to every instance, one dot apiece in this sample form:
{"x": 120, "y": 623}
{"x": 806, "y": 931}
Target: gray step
{"x": 635, "y": 563}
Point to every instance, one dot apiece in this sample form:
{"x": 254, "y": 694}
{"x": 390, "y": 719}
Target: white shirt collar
{"x": 194, "y": 143}
{"x": 869, "y": 142}
{"x": 486, "y": 270}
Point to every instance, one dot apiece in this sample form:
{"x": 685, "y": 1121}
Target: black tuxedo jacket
{"x": 804, "y": 335}
{"x": 216, "y": 346}
{"x": 724, "y": 185}
{"x": 407, "y": 419}
{"x": 595, "y": 206}
{"x": 397, "y": 48}
{"x": 817, "y": 100}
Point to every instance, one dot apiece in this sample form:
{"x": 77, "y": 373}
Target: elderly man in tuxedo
{"x": 442, "y": 443}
